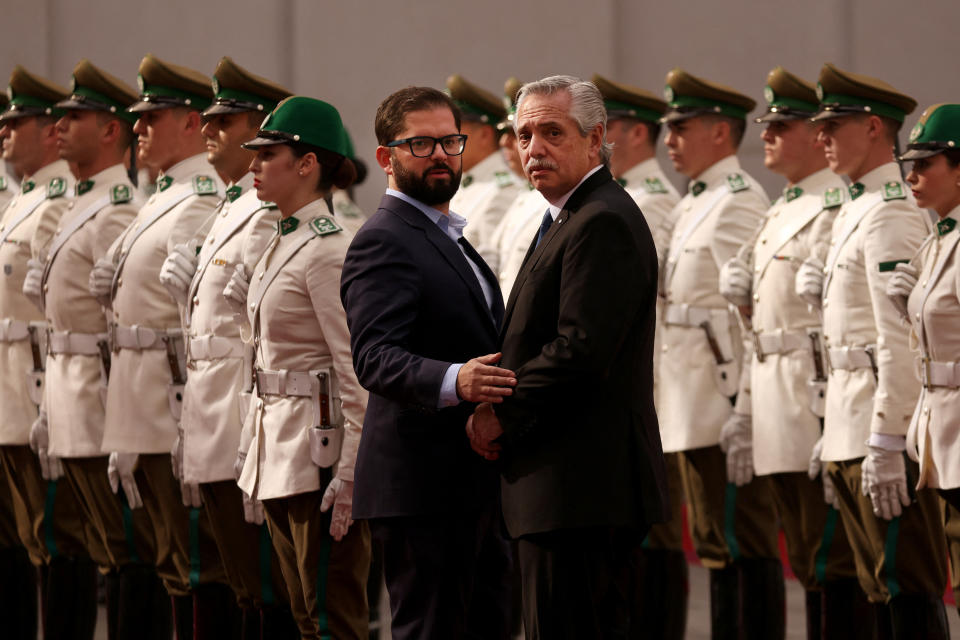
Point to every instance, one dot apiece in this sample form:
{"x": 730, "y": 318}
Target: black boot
{"x": 814, "y": 611}
{"x": 763, "y": 598}
{"x": 725, "y": 603}
{"x": 917, "y": 617}
{"x": 18, "y": 594}
{"x": 71, "y": 597}
{"x": 847, "y": 614}
{"x": 182, "y": 617}
{"x": 250, "y": 624}
{"x": 216, "y": 613}
{"x": 277, "y": 623}
{"x": 660, "y": 605}
{"x": 112, "y": 584}
{"x": 143, "y": 607}
{"x": 883, "y": 622}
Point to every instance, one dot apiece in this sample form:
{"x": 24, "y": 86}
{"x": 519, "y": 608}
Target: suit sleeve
{"x": 604, "y": 281}
{"x": 380, "y": 290}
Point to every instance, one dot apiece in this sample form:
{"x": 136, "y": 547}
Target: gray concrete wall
{"x": 353, "y": 54}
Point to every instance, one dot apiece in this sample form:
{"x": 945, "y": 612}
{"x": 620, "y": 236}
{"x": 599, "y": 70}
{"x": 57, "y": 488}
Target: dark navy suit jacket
{"x": 414, "y": 306}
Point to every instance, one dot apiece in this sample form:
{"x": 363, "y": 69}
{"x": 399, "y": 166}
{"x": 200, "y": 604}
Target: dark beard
{"x": 419, "y": 188}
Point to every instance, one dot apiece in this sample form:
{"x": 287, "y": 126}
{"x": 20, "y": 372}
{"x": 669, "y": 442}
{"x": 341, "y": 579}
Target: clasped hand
{"x": 483, "y": 428}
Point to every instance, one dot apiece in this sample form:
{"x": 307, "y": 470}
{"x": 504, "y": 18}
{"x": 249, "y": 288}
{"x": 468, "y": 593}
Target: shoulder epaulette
{"x": 832, "y": 197}
{"x": 504, "y": 179}
{"x": 654, "y": 185}
{"x": 268, "y": 205}
{"x": 736, "y": 182}
{"x": 56, "y": 188}
{"x": 120, "y": 193}
{"x": 324, "y": 226}
{"x": 204, "y": 185}
{"x": 894, "y": 190}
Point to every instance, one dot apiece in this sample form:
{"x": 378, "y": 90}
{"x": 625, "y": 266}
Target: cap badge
{"x": 140, "y": 84}
{"x": 819, "y": 92}
{"x": 9, "y": 92}
{"x": 916, "y": 132}
{"x": 73, "y": 84}
{"x": 768, "y": 94}
{"x": 668, "y": 93}
{"x": 215, "y": 84}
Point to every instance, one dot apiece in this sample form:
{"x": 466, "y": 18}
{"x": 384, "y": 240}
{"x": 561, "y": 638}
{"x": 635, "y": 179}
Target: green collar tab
{"x": 832, "y": 197}
{"x": 856, "y": 190}
{"x": 287, "y": 225}
{"x": 792, "y": 193}
{"x": 945, "y": 226}
{"x": 28, "y": 186}
{"x": 622, "y": 182}
{"x": 698, "y": 187}
{"x": 83, "y": 187}
{"x": 163, "y": 183}
{"x": 234, "y": 192}
{"x": 894, "y": 190}
{"x": 652, "y": 184}
{"x": 324, "y": 226}
{"x": 57, "y": 187}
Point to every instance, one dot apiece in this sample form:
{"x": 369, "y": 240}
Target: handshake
{"x": 481, "y": 381}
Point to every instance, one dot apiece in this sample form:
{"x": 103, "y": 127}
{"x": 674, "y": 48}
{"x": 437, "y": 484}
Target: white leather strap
{"x": 13, "y": 330}
{"x": 939, "y": 374}
{"x": 83, "y": 344}
{"x": 849, "y": 358}
{"x": 141, "y": 338}
{"x": 781, "y": 341}
{"x": 211, "y": 347}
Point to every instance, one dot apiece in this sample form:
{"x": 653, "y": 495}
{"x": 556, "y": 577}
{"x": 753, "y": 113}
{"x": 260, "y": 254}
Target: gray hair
{"x": 586, "y": 105}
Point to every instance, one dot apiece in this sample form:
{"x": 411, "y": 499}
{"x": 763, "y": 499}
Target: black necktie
{"x": 544, "y": 227}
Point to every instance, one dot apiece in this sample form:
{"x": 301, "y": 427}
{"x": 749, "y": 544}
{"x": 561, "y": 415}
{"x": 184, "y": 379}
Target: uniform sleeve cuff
{"x": 888, "y": 442}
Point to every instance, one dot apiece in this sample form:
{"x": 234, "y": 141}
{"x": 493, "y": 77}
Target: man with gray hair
{"x": 582, "y": 471}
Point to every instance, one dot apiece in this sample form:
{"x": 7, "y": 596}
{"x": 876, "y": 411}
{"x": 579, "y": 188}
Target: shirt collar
{"x": 453, "y": 222}
{"x": 717, "y": 172}
{"x": 557, "y": 206}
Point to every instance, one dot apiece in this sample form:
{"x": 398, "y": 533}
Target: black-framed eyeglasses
{"x": 423, "y": 146}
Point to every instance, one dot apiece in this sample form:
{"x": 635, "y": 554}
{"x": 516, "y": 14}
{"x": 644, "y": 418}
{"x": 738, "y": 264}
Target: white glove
{"x": 176, "y": 456}
{"x": 817, "y": 468}
{"x": 177, "y": 271}
{"x": 190, "y": 494}
{"x": 809, "y": 282}
{"x": 736, "y": 282}
{"x": 32, "y": 282}
{"x": 120, "y": 472}
{"x": 238, "y": 464}
{"x": 50, "y": 467}
{"x": 236, "y": 290}
{"x": 736, "y": 440}
{"x": 101, "y": 280}
{"x": 899, "y": 286}
{"x": 884, "y": 479}
{"x": 339, "y": 495}
{"x": 252, "y": 510}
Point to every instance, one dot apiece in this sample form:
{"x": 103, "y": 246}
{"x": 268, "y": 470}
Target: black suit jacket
{"x": 414, "y": 306}
{"x": 581, "y": 440}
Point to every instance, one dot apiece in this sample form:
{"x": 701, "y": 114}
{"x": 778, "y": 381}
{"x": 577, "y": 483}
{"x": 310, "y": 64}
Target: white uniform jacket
{"x": 485, "y": 193}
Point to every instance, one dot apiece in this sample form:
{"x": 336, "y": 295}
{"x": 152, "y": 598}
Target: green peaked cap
{"x": 937, "y": 130}
{"x": 788, "y": 97}
{"x": 306, "y": 120}
{"x": 163, "y": 85}
{"x": 624, "y": 101}
{"x": 237, "y": 90}
{"x": 689, "y": 96}
{"x": 31, "y": 95}
{"x": 842, "y": 93}
{"x": 475, "y": 102}
{"x": 511, "y": 89}
{"x": 93, "y": 89}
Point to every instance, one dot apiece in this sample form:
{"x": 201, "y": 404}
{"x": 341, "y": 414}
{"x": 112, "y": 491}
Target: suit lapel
{"x": 449, "y": 250}
{"x": 536, "y": 250}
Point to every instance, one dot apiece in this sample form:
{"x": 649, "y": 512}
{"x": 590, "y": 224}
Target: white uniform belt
{"x": 849, "y": 358}
{"x": 83, "y": 344}
{"x": 140, "y": 338}
{"x": 780, "y": 341}
{"x": 210, "y": 347}
{"x": 13, "y": 330}
{"x": 286, "y": 383}
{"x": 939, "y": 374}
{"x": 687, "y": 316}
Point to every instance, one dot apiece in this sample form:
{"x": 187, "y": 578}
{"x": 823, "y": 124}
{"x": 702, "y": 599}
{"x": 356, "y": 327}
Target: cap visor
{"x": 678, "y": 116}
{"x": 143, "y": 105}
{"x": 19, "y": 113}
{"x": 261, "y": 141}
{"x": 917, "y": 154}
{"x": 70, "y": 103}
{"x": 778, "y": 116}
{"x": 830, "y": 115}
{"x": 215, "y": 109}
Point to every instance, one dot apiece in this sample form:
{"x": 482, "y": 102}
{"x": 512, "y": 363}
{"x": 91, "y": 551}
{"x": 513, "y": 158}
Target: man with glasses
{"x": 424, "y": 312}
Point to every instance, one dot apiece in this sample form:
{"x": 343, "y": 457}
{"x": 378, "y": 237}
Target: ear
{"x": 720, "y": 132}
{"x": 110, "y": 132}
{"x": 308, "y": 164}
{"x": 383, "y": 159}
{"x": 193, "y": 122}
{"x": 596, "y": 139}
{"x": 638, "y": 134}
{"x": 875, "y": 128}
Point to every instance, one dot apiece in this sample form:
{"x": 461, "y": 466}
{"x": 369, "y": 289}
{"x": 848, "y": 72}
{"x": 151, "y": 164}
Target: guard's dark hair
{"x": 392, "y": 112}
{"x": 335, "y": 170}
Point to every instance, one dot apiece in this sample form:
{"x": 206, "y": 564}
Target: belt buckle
{"x": 757, "y": 347}
{"x": 925, "y": 373}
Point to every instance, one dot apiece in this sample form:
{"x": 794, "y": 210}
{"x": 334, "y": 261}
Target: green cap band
{"x": 248, "y": 98}
{"x": 36, "y": 103}
{"x": 633, "y": 111}
{"x": 466, "y": 107}
{"x": 193, "y": 100}
{"x": 792, "y": 103}
{"x": 120, "y": 110}
{"x": 879, "y": 108}
{"x": 716, "y": 106}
